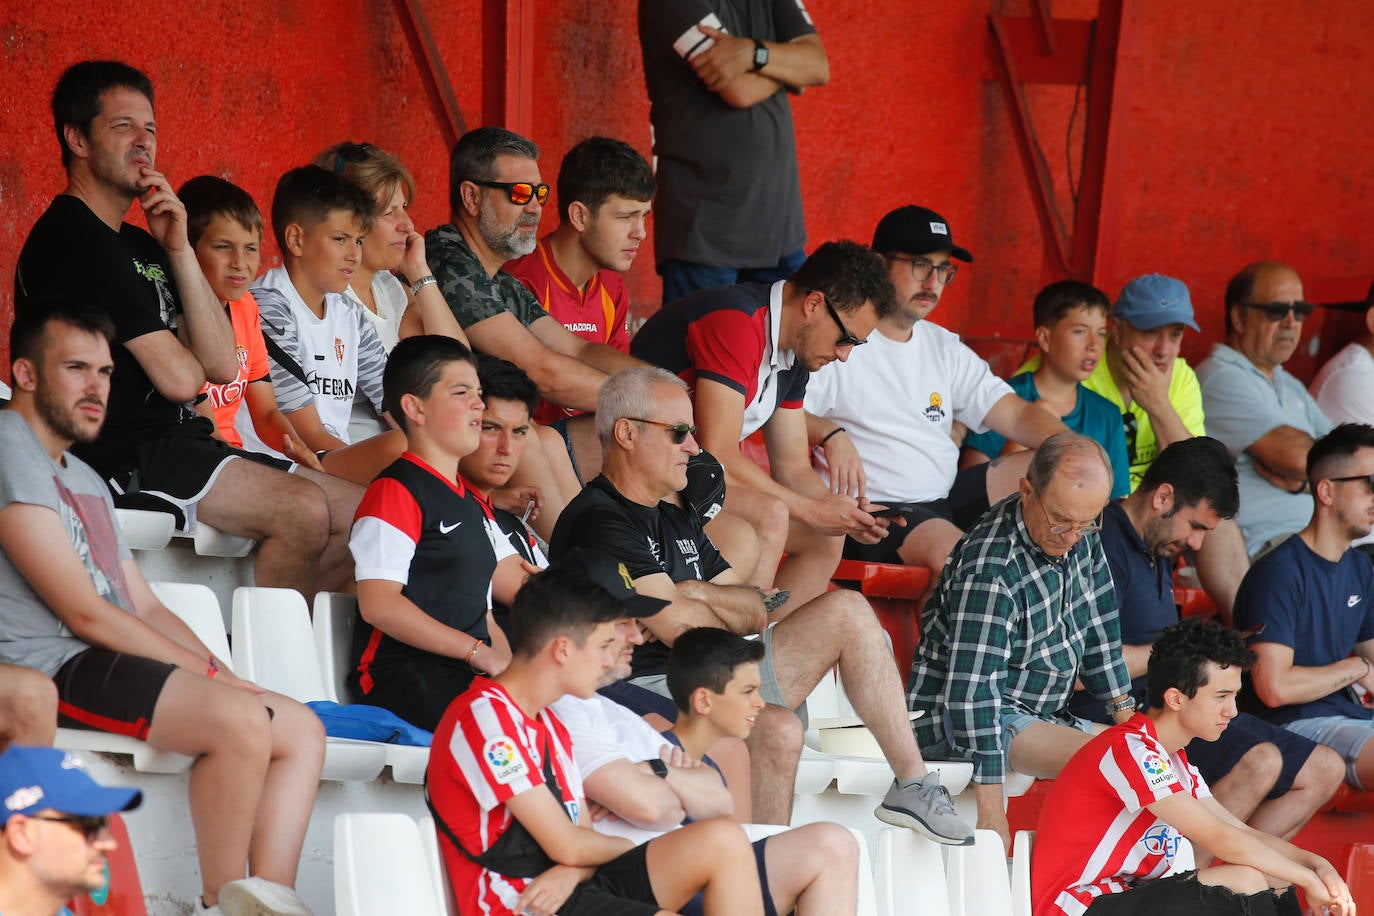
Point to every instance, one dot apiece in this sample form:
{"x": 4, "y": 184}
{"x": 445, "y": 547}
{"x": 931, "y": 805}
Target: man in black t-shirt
{"x": 156, "y": 451}
{"x": 644, "y": 420}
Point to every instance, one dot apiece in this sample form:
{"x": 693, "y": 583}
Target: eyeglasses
{"x": 1367, "y": 478}
{"x": 520, "y": 191}
{"x": 92, "y": 828}
{"x": 352, "y": 152}
{"x": 921, "y": 269}
{"x": 1277, "y": 311}
{"x": 1058, "y": 530}
{"x": 846, "y": 338}
{"x": 679, "y": 431}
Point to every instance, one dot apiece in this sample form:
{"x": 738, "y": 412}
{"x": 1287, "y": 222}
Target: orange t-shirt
{"x": 251, "y": 354}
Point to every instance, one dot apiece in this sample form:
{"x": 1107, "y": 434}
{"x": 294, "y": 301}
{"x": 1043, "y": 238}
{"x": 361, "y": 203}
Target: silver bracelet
{"x": 421, "y": 284}
{"x": 1126, "y": 705}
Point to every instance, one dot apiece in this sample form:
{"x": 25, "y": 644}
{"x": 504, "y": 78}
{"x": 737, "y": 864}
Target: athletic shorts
{"x": 106, "y": 691}
{"x": 1184, "y": 895}
{"x": 965, "y": 504}
{"x": 1013, "y": 722}
{"x": 1214, "y": 759}
{"x": 621, "y": 887}
{"x": 418, "y": 690}
{"x": 175, "y": 472}
{"x": 696, "y": 906}
{"x": 1344, "y": 735}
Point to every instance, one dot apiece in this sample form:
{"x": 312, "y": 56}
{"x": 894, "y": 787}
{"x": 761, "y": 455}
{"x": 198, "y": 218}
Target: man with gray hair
{"x": 1024, "y": 607}
{"x": 644, "y": 419}
{"x": 496, "y": 197}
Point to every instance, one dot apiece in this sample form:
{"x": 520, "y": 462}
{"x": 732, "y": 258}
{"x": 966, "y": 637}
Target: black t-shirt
{"x": 71, "y": 255}
{"x": 649, "y": 540}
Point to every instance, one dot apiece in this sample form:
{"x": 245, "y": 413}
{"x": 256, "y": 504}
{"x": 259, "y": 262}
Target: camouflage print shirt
{"x": 471, "y": 294}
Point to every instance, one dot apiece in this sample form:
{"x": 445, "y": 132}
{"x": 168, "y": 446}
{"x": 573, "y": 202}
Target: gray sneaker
{"x": 925, "y": 806}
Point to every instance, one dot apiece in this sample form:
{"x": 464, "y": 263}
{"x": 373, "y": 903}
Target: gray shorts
{"x": 771, "y": 690}
{"x": 1013, "y": 722}
{"x": 1344, "y": 735}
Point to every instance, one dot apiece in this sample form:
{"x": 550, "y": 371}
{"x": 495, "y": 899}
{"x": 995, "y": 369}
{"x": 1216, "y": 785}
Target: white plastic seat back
{"x": 333, "y": 622}
{"x": 144, "y": 529}
{"x": 909, "y": 875}
{"x": 380, "y": 867}
{"x": 977, "y": 877}
{"x": 211, "y": 542}
{"x": 443, "y": 889}
{"x": 273, "y": 643}
{"x": 1021, "y": 847}
{"x": 198, "y": 608}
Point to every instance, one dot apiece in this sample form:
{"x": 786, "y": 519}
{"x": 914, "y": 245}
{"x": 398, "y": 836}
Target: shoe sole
{"x": 912, "y": 822}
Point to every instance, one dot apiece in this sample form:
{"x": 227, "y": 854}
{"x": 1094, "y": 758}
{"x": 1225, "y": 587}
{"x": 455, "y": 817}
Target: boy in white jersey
{"x": 1111, "y": 825}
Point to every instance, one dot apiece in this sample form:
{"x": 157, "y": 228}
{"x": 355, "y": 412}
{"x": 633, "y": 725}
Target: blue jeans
{"x": 683, "y": 277}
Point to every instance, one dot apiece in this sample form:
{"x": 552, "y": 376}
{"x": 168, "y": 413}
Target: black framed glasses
{"x": 1061, "y": 529}
{"x": 922, "y": 268}
{"x": 1277, "y": 311}
{"x": 521, "y": 192}
{"x": 352, "y": 152}
{"x": 1367, "y": 478}
{"x": 679, "y": 431}
{"x": 91, "y": 827}
{"x": 847, "y": 339}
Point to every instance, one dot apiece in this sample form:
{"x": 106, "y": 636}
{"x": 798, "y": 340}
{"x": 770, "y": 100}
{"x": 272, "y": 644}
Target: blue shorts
{"x": 1344, "y": 735}
{"x": 1214, "y": 759}
{"x": 1013, "y": 722}
{"x": 694, "y": 906}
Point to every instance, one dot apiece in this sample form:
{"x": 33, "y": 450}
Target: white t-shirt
{"x": 390, "y": 295}
{"x": 898, "y": 401}
{"x": 602, "y": 731}
{"x": 1344, "y": 388}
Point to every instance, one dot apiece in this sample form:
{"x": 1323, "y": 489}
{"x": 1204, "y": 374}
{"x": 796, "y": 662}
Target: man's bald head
{"x": 1069, "y": 481}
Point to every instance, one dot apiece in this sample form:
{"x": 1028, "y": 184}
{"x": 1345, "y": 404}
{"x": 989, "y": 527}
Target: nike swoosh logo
{"x": 445, "y": 529}
{"x": 1352, "y": 601}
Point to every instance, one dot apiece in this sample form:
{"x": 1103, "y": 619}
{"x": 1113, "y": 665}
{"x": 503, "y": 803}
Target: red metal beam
{"x": 432, "y": 72}
{"x": 1044, "y": 22}
{"x": 1097, "y": 179}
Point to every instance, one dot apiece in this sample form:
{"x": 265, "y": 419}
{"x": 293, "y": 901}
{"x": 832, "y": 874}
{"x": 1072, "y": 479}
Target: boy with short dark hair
{"x": 1111, "y": 825}
{"x": 325, "y": 353}
{"x": 507, "y": 794}
{"x": 1071, "y": 332}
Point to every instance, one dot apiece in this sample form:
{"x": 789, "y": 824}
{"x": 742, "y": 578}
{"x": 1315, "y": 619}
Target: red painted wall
{"x": 1242, "y": 129}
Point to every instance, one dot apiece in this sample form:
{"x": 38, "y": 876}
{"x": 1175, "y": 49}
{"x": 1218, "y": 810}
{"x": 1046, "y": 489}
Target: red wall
{"x": 1242, "y": 129}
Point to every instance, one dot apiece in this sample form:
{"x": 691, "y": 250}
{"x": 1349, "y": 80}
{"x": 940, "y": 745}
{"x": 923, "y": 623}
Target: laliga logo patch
{"x": 23, "y": 798}
{"x": 1160, "y": 841}
{"x": 502, "y": 759}
{"x": 935, "y": 413}
{"x": 1157, "y": 770}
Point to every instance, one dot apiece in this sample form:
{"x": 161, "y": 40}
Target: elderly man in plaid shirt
{"x": 1023, "y": 609}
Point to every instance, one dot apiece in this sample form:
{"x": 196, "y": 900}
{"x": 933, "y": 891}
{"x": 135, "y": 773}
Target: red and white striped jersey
{"x": 1096, "y": 834}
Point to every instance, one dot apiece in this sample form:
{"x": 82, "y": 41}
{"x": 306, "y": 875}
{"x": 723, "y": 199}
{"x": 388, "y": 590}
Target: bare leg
{"x": 766, "y": 520}
{"x": 839, "y": 627}
{"x": 811, "y": 561}
{"x": 774, "y": 751}
{"x": 288, "y": 794}
{"x": 1313, "y": 787}
{"x": 814, "y": 870}
{"x": 1005, "y": 473}
{"x": 1364, "y": 764}
{"x": 732, "y": 756}
{"x": 1242, "y": 789}
{"x": 336, "y": 563}
{"x": 1242, "y": 879}
{"x": 28, "y": 707}
{"x": 1221, "y": 564}
{"x": 545, "y": 464}
{"x": 586, "y": 447}
{"x": 713, "y": 857}
{"x": 287, "y": 513}
{"x": 737, "y": 542}
{"x": 1041, "y": 749}
{"x": 362, "y": 461}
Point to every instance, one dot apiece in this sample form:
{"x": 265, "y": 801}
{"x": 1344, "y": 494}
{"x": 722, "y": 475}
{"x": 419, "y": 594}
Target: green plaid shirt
{"x": 472, "y": 295}
{"x": 1009, "y": 626}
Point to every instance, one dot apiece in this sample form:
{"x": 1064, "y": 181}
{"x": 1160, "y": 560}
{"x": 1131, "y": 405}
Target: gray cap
{"x": 1153, "y": 301}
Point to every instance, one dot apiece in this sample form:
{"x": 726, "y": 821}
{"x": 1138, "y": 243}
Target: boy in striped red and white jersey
{"x": 1112, "y": 822}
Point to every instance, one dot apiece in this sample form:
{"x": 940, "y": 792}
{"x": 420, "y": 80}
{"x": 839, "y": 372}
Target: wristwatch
{"x": 659, "y": 767}
{"x": 1126, "y": 705}
{"x": 760, "y": 56}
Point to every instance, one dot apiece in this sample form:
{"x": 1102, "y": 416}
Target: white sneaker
{"x": 260, "y": 897}
{"x": 200, "y": 909}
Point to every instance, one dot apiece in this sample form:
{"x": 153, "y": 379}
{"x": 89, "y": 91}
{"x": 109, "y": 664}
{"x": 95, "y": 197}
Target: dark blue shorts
{"x": 1214, "y": 759}
{"x": 693, "y": 907}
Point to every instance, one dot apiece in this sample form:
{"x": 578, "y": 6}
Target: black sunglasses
{"x": 1367, "y": 478}
{"x": 846, "y": 338}
{"x": 679, "y": 431}
{"x": 91, "y": 827}
{"x": 352, "y": 152}
{"x": 520, "y": 191}
{"x": 1277, "y": 311}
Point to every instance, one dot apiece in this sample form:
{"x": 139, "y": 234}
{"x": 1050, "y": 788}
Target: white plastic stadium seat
{"x": 976, "y": 877}
{"x": 144, "y": 529}
{"x": 909, "y": 875}
{"x": 274, "y": 648}
{"x": 333, "y": 627}
{"x": 198, "y": 608}
{"x": 443, "y": 889}
{"x": 1021, "y": 846}
{"x": 379, "y": 867}
{"x": 211, "y": 542}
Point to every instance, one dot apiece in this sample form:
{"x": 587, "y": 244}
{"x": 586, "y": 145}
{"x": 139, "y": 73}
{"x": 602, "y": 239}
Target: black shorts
{"x": 418, "y": 690}
{"x": 965, "y": 504}
{"x": 621, "y": 887}
{"x": 1184, "y": 895}
{"x": 560, "y": 426}
{"x": 106, "y": 691}
{"x": 696, "y": 906}
{"x": 1214, "y": 759}
{"x": 174, "y": 472}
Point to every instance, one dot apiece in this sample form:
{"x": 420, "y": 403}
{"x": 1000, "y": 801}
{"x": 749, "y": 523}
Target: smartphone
{"x": 889, "y": 512}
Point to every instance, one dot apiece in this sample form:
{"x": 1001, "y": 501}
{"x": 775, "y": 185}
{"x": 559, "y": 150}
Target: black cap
{"x": 705, "y": 490}
{"x": 612, "y": 575}
{"x": 916, "y": 230}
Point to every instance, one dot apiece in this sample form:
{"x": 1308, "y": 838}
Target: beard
{"x": 509, "y": 242}
{"x": 65, "y": 421}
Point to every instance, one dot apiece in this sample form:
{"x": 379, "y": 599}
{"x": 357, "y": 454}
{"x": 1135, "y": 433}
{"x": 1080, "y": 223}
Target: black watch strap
{"x": 659, "y": 767}
{"x": 760, "y": 56}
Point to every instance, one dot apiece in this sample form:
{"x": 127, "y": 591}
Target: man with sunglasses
{"x": 746, "y": 353}
{"x": 1023, "y": 608}
{"x": 54, "y": 829}
{"x": 1264, "y": 415}
{"x": 884, "y": 420}
{"x": 1309, "y": 604}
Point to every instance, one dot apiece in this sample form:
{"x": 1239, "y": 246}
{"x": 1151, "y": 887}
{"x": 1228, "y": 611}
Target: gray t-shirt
{"x": 31, "y": 635}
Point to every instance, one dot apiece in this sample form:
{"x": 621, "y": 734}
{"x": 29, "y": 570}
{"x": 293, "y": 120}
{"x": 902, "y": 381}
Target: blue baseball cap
{"x": 41, "y": 778}
{"x": 1153, "y": 301}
